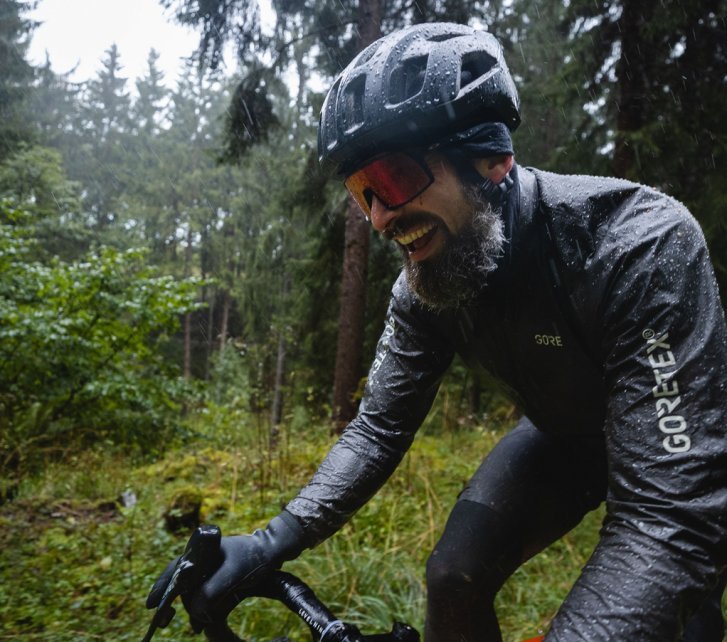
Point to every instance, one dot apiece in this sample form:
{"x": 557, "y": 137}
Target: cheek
{"x": 445, "y": 199}
{"x": 456, "y": 211}
{"x": 440, "y": 170}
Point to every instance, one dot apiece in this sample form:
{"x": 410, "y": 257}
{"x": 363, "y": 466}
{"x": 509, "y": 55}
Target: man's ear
{"x": 495, "y": 167}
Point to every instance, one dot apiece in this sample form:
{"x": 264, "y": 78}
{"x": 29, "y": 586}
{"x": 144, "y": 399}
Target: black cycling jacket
{"x": 602, "y": 317}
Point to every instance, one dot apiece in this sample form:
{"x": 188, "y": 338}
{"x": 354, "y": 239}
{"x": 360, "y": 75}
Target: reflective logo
{"x": 383, "y": 348}
{"x": 554, "y": 340}
{"x": 665, "y": 393}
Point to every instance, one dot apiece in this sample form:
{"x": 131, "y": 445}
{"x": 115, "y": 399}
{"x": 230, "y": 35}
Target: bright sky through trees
{"x": 78, "y": 32}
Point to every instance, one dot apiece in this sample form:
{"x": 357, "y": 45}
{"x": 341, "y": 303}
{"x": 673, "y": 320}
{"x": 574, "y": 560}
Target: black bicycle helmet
{"x": 415, "y": 87}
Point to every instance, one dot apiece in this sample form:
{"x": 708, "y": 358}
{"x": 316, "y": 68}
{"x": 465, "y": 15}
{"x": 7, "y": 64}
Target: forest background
{"x": 188, "y": 306}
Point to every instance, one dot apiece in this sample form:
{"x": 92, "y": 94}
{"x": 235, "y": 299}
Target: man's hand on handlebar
{"x": 233, "y": 569}
{"x": 246, "y": 558}
{"x": 215, "y": 573}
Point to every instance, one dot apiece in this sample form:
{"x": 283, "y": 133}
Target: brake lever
{"x": 200, "y": 560}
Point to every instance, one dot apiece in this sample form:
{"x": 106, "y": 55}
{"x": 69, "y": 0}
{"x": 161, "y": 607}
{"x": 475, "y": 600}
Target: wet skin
{"x": 424, "y": 224}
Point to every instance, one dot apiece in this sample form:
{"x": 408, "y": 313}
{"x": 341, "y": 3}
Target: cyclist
{"x": 591, "y": 301}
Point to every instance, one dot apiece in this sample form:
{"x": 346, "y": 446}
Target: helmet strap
{"x": 494, "y": 193}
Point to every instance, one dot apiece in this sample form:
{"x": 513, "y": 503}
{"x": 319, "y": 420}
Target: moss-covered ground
{"x": 79, "y": 555}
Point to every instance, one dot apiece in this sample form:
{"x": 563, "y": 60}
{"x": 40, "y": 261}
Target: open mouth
{"x": 417, "y": 237}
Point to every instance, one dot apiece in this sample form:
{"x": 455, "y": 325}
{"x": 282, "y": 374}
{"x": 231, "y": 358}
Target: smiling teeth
{"x": 405, "y": 239}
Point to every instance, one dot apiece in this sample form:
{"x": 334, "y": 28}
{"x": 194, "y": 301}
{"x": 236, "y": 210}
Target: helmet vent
{"x": 367, "y": 54}
{"x": 475, "y": 65}
{"x": 443, "y": 36}
{"x": 407, "y": 79}
{"x": 354, "y": 98}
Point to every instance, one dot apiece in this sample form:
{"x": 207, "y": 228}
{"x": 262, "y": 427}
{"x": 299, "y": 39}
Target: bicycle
{"x": 199, "y": 561}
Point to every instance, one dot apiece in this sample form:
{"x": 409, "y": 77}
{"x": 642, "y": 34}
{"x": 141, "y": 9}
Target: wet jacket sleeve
{"x": 411, "y": 357}
{"x": 664, "y": 539}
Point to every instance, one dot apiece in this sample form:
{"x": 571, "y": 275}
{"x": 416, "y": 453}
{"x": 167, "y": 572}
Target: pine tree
{"x": 655, "y": 72}
{"x": 16, "y": 77}
{"x": 105, "y": 127}
{"x": 149, "y": 107}
{"x": 339, "y": 29}
{"x": 54, "y": 108}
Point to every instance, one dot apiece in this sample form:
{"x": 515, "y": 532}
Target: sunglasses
{"x": 395, "y": 179}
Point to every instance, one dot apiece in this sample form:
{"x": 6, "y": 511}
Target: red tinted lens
{"x": 394, "y": 179}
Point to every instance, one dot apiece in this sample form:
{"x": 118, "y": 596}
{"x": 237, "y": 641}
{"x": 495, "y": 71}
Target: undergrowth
{"x": 77, "y": 563}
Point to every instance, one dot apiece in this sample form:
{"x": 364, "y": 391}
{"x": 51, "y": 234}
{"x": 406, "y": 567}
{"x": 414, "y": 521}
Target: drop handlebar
{"x": 201, "y": 558}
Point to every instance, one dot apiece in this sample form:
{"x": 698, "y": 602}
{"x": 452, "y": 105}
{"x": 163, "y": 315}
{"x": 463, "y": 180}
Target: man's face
{"x": 448, "y": 235}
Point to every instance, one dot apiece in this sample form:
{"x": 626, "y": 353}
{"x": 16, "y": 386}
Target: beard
{"x": 459, "y": 273}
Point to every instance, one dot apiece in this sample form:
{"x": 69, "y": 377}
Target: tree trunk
{"x": 187, "y": 367}
{"x": 351, "y": 317}
{"x": 632, "y": 73}
{"x": 210, "y": 298}
{"x": 225, "y": 318}
{"x": 349, "y": 346}
{"x": 276, "y": 409}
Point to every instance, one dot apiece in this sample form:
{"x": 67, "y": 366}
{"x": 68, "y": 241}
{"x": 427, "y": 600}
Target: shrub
{"x": 79, "y": 347}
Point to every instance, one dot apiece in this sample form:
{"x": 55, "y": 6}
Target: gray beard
{"x": 459, "y": 273}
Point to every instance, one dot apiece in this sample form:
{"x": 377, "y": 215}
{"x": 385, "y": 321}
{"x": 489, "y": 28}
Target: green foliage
{"x": 16, "y": 77}
{"x": 653, "y": 76}
{"x": 35, "y": 180}
{"x": 77, "y": 564}
{"x": 250, "y": 116}
{"x": 551, "y": 135}
{"x": 79, "y": 358}
{"x": 148, "y": 109}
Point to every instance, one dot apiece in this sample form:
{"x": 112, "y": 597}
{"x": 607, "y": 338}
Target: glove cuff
{"x": 285, "y": 537}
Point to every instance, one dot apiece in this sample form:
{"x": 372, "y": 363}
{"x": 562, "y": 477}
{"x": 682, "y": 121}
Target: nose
{"x": 381, "y": 215}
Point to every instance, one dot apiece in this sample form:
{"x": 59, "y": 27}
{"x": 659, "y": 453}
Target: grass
{"x": 76, "y": 565}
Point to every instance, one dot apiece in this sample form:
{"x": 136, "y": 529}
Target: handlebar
{"x": 297, "y": 596}
{"x": 201, "y": 558}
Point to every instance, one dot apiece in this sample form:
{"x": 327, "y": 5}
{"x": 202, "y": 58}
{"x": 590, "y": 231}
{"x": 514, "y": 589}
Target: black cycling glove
{"x": 245, "y": 559}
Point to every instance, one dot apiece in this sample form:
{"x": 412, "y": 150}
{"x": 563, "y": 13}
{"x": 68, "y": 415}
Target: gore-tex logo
{"x": 383, "y": 348}
{"x": 666, "y": 392}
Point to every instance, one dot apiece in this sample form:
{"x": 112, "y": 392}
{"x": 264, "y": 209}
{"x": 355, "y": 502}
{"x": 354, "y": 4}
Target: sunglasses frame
{"x": 359, "y": 195}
